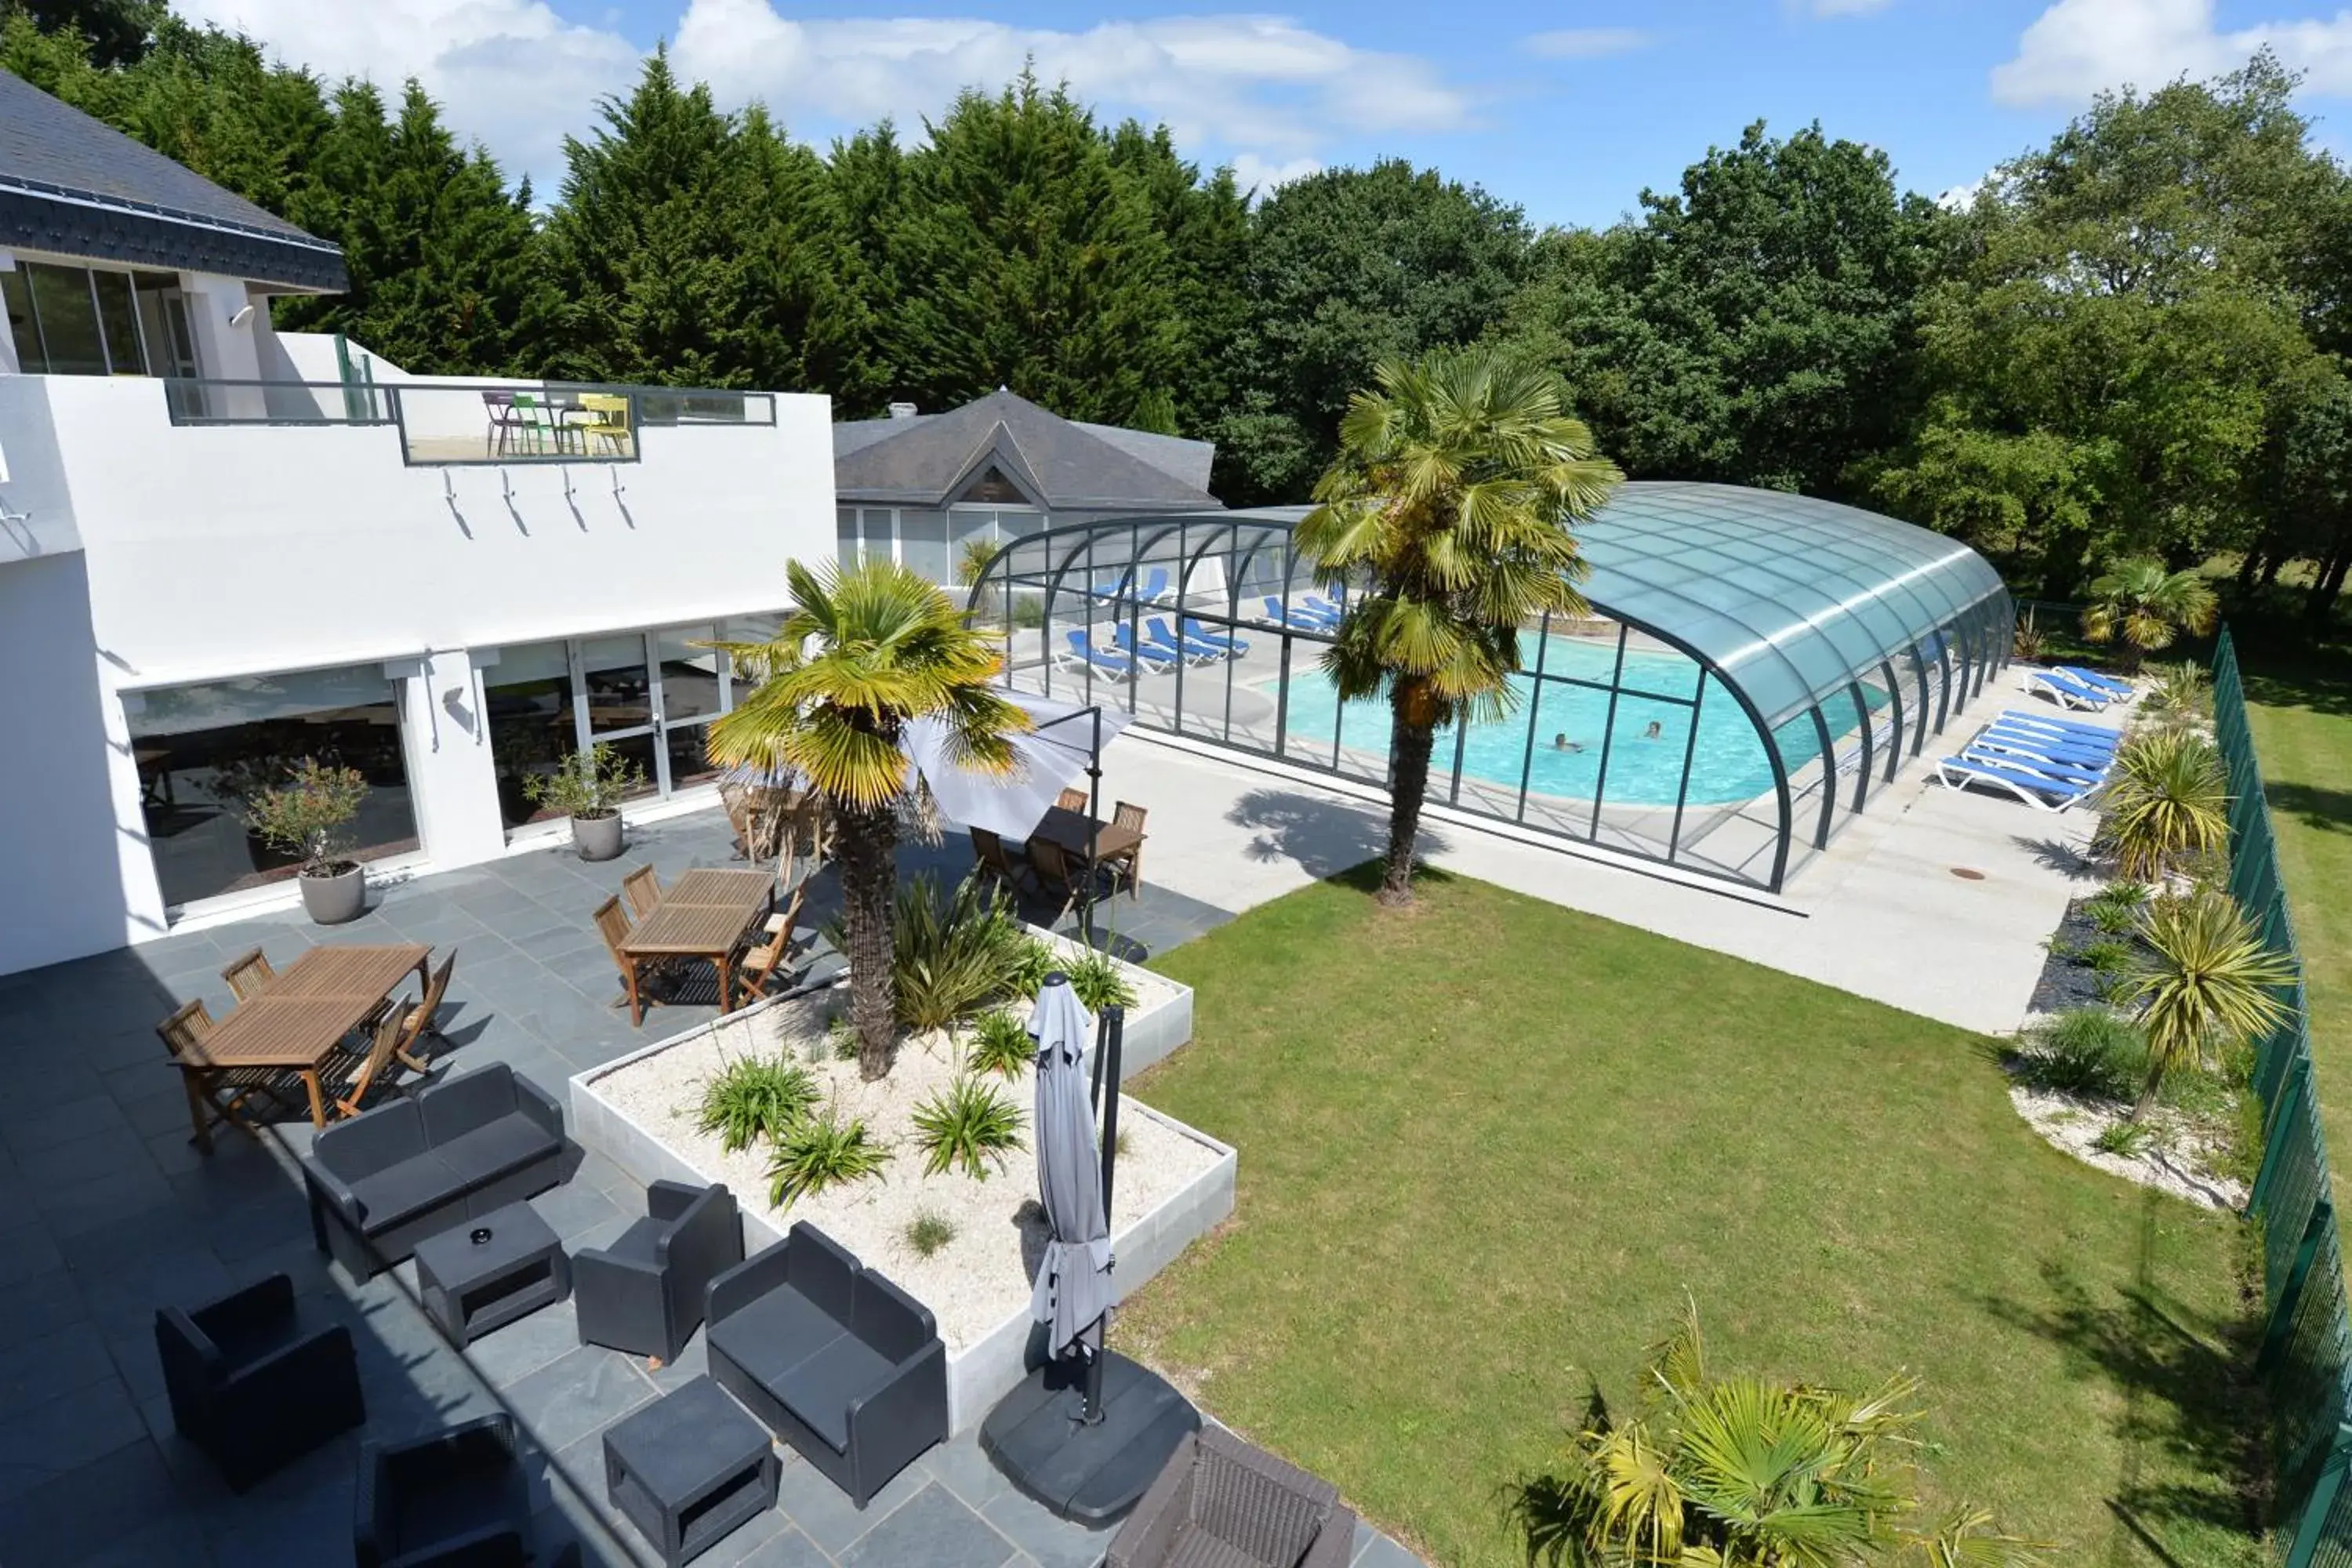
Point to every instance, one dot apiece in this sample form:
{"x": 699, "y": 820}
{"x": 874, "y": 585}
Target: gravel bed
{"x": 982, "y": 1276}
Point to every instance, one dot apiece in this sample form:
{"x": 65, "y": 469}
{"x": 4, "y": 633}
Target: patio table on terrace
{"x": 299, "y": 1018}
{"x": 1087, "y": 839}
{"x": 701, "y": 915}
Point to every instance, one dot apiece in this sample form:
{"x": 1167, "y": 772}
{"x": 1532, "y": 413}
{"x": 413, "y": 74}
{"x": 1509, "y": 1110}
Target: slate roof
{"x": 928, "y": 460}
{"x": 73, "y": 187}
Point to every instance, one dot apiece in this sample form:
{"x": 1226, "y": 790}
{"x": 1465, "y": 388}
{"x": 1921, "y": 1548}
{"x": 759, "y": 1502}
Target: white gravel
{"x": 977, "y": 1279}
{"x": 2177, "y": 1158}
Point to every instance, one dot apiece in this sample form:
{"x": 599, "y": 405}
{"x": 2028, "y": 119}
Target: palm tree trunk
{"x": 866, "y": 844}
{"x": 1409, "y": 747}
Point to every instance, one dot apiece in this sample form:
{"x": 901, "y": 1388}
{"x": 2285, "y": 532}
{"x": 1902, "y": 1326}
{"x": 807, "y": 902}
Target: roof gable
{"x": 930, "y": 459}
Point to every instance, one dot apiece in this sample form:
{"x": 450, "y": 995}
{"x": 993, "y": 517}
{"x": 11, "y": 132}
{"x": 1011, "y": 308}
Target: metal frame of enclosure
{"x": 1755, "y": 668}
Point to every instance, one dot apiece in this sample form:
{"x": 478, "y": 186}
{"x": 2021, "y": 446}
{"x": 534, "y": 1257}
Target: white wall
{"x": 69, "y": 869}
{"x": 221, "y": 549}
{"x": 210, "y": 551}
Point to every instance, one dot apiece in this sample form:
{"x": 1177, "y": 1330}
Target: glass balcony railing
{"x": 443, "y": 423}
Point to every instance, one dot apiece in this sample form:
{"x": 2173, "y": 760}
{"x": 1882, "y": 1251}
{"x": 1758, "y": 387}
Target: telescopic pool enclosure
{"x": 1756, "y": 666}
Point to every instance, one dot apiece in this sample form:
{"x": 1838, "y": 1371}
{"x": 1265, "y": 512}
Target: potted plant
{"x": 305, "y": 816}
{"x": 587, "y": 786}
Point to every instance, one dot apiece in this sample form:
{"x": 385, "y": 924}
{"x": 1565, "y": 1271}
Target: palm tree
{"x": 2169, "y": 798}
{"x": 2211, "y": 984}
{"x": 2139, "y": 601}
{"x": 869, "y": 649}
{"x": 1449, "y": 503}
{"x": 1742, "y": 1473}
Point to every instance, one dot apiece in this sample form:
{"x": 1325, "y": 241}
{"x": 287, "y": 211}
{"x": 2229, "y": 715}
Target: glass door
{"x": 690, "y": 689}
{"x": 613, "y": 700}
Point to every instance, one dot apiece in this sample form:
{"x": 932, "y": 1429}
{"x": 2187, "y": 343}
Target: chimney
{"x": 903, "y": 411}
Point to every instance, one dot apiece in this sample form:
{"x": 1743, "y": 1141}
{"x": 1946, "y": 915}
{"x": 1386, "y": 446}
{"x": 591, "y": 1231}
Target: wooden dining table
{"x": 703, "y": 914}
{"x": 1089, "y": 840}
{"x": 298, "y": 1020}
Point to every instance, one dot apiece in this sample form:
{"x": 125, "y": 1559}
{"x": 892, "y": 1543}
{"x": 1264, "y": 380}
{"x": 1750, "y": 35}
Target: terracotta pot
{"x": 332, "y": 900}
{"x": 597, "y": 837}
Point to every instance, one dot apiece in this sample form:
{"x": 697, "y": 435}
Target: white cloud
{"x": 1588, "y": 43}
{"x": 2078, "y": 47}
{"x": 1266, "y": 92}
{"x": 1251, "y": 173}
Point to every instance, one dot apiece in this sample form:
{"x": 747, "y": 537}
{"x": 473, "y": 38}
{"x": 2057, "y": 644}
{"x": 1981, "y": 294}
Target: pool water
{"x": 1727, "y": 767}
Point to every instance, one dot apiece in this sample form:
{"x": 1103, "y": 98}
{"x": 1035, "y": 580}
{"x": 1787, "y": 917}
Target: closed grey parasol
{"x": 1072, "y": 1288}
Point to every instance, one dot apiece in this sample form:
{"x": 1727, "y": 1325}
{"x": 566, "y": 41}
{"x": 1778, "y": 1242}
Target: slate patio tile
{"x": 578, "y": 1393}
{"x": 932, "y": 1529}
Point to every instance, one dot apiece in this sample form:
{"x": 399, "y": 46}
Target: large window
{"x": 86, "y": 321}
{"x": 929, "y": 542}
{"x": 650, "y": 696}
{"x": 205, "y": 751}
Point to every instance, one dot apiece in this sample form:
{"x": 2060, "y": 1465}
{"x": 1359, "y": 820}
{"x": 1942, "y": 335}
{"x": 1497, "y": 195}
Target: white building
{"x": 222, "y": 549}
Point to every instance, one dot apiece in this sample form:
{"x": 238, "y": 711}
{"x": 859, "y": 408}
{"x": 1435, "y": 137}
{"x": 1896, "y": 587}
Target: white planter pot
{"x": 597, "y": 837}
{"x": 332, "y": 900}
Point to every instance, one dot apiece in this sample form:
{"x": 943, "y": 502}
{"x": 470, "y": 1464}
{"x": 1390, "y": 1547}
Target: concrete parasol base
{"x": 1091, "y": 1474}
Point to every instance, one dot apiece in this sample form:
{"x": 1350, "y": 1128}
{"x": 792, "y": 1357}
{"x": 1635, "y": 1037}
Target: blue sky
{"x": 1567, "y": 110}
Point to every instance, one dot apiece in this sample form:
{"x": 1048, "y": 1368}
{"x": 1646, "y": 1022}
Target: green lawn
{"x": 2302, "y": 716}
{"x": 1487, "y": 1146}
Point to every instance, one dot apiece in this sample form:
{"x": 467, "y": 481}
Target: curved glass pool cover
{"x": 1755, "y": 666}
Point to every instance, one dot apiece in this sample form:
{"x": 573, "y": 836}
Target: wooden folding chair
{"x": 1128, "y": 815}
{"x": 358, "y": 1073}
{"x": 1075, "y": 800}
{"x": 642, "y": 887}
{"x": 989, "y": 851}
{"x": 760, "y": 965}
{"x": 424, "y": 1018}
{"x": 1059, "y": 872}
{"x": 248, "y": 974}
{"x": 216, "y": 1096}
{"x": 637, "y": 975}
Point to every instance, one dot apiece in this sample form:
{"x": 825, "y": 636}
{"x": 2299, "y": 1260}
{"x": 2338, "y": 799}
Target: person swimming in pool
{"x": 1655, "y": 731}
{"x": 1560, "y": 743}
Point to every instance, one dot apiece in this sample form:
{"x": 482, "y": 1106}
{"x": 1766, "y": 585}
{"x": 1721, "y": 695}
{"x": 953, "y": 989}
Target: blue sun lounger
{"x": 1155, "y": 588}
{"x": 1197, "y": 650}
{"x": 1325, "y": 607}
{"x": 1103, "y": 660}
{"x": 2048, "y": 767}
{"x": 2072, "y": 729}
{"x": 2098, "y": 682}
{"x": 1198, "y": 633}
{"x": 2039, "y": 791}
{"x": 1150, "y": 649}
{"x": 1999, "y": 737}
{"x": 2068, "y": 692}
{"x": 1296, "y": 615}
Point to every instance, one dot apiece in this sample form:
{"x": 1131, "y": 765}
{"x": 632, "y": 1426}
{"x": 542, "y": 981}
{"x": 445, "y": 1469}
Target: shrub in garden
{"x": 1099, "y": 983}
{"x": 929, "y": 1231}
{"x": 951, "y": 955}
{"x": 2115, "y": 908}
{"x": 821, "y": 1151}
{"x": 2091, "y": 1052}
{"x": 753, "y": 1098}
{"x": 999, "y": 1045}
{"x": 968, "y": 1124}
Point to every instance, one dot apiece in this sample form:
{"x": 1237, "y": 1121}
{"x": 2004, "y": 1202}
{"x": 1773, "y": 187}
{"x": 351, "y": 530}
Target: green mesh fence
{"x": 2306, "y": 1362}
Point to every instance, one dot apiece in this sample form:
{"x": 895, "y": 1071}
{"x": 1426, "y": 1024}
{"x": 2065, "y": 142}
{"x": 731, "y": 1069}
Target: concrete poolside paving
{"x": 106, "y": 1211}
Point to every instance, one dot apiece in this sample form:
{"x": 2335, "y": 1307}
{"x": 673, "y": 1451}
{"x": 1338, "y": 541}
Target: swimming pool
{"x": 1728, "y": 766}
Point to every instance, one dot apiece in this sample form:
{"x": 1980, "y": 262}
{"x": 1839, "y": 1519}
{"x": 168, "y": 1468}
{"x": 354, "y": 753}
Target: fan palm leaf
{"x": 867, "y": 649}
{"x": 1451, "y": 505}
{"x": 2138, "y": 601}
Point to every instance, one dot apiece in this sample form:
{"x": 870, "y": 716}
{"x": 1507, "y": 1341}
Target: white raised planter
{"x": 1161, "y": 1020}
{"x": 986, "y": 1367}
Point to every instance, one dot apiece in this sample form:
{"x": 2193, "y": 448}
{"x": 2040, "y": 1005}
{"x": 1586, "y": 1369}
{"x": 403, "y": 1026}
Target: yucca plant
{"x": 2093, "y": 1051}
{"x": 1742, "y": 1473}
{"x": 2029, "y": 641}
{"x": 999, "y": 1044}
{"x": 968, "y": 1124}
{"x": 2168, "y": 799}
{"x": 951, "y": 955}
{"x": 2209, "y": 986}
{"x": 1099, "y": 983}
{"x": 753, "y": 1098}
{"x": 819, "y": 1151}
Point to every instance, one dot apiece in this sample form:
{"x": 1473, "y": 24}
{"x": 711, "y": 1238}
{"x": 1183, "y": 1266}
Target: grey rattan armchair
{"x": 1220, "y": 1500}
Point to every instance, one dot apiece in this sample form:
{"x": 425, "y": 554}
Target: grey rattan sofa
{"x": 1250, "y": 1506}
{"x": 388, "y": 1178}
{"x": 831, "y": 1357}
